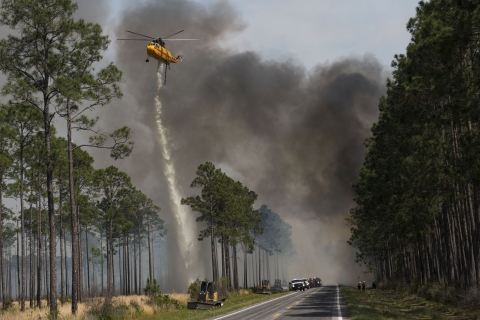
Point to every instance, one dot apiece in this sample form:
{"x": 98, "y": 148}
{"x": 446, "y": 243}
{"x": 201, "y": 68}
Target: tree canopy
{"x": 417, "y": 217}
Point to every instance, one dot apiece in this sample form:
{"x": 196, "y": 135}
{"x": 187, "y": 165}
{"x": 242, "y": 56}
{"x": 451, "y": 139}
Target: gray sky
{"x": 311, "y": 31}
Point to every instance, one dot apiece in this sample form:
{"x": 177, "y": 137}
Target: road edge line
{"x": 254, "y": 306}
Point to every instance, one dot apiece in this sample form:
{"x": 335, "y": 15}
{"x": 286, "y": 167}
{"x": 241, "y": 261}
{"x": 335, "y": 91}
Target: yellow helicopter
{"x": 156, "y": 49}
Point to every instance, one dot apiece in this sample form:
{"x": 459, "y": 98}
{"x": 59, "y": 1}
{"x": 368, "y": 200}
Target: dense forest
{"x": 417, "y": 214}
{"x": 77, "y": 231}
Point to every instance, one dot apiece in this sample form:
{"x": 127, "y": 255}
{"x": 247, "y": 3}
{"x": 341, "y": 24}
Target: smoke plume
{"x": 292, "y": 135}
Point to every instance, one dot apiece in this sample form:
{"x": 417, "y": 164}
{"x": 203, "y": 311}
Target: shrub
{"x": 8, "y": 303}
{"x": 163, "y": 301}
{"x": 194, "y": 289}
{"x": 138, "y": 310}
{"x": 413, "y": 289}
{"x": 105, "y": 309}
{"x": 471, "y": 297}
{"x": 152, "y": 288}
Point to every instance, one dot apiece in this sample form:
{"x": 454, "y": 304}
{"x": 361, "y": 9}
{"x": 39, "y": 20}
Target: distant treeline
{"x": 226, "y": 209}
{"x": 417, "y": 215}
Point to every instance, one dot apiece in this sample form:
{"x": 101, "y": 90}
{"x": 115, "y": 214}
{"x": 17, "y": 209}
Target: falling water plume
{"x": 185, "y": 240}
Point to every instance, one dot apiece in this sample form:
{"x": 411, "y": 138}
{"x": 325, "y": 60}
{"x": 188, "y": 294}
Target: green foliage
{"x": 8, "y": 303}
{"x": 421, "y": 167}
{"x": 165, "y": 302}
{"x": 194, "y": 289}
{"x": 152, "y": 288}
{"x": 226, "y": 207}
{"x": 138, "y": 310}
{"x": 277, "y": 233}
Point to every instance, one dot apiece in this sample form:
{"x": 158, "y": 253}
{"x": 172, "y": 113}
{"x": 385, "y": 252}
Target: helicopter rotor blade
{"x": 139, "y": 34}
{"x": 173, "y": 34}
{"x": 181, "y": 39}
{"x": 137, "y": 39}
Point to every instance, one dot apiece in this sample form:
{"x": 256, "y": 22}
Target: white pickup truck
{"x": 296, "y": 284}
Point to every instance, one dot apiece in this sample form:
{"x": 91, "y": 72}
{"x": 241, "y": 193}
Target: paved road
{"x": 316, "y": 303}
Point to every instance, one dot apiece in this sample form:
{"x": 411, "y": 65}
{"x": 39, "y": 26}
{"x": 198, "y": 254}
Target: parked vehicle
{"x": 307, "y": 284}
{"x": 296, "y": 284}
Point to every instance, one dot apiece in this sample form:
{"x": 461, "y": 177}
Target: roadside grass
{"x": 232, "y": 303}
{"x": 137, "y": 307}
{"x": 391, "y": 304}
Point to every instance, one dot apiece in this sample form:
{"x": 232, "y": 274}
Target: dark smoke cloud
{"x": 294, "y": 136}
{"x": 96, "y": 11}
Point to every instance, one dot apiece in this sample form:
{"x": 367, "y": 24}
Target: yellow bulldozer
{"x": 265, "y": 288}
{"x": 277, "y": 286}
{"x": 207, "y": 297}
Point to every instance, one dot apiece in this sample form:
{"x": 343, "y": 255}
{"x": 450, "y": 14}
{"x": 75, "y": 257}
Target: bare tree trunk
{"x": 254, "y": 276}
{"x": 127, "y": 263}
{"x": 223, "y": 256}
{"x": 47, "y": 270}
{"x": 140, "y": 261}
{"x": 110, "y": 261}
{"x": 2, "y": 278}
{"x": 18, "y": 267}
{"x": 228, "y": 267}
{"x": 245, "y": 264}
{"x": 62, "y": 265}
{"x": 51, "y": 213}
{"x": 88, "y": 262}
{"x": 135, "y": 264}
{"x": 213, "y": 247}
{"x": 30, "y": 236}
{"x": 128, "y": 268}
{"x": 121, "y": 273}
{"x": 259, "y": 268}
{"x": 149, "y": 255}
{"x": 73, "y": 213}
{"x": 62, "y": 269}
{"x": 39, "y": 246}
{"x": 79, "y": 258}
{"x": 66, "y": 264}
{"x": 235, "y": 268}
{"x": 22, "y": 232}
{"x": 101, "y": 251}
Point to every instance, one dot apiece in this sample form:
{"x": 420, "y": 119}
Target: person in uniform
{"x": 374, "y": 286}
{"x": 359, "y": 286}
{"x": 363, "y": 286}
